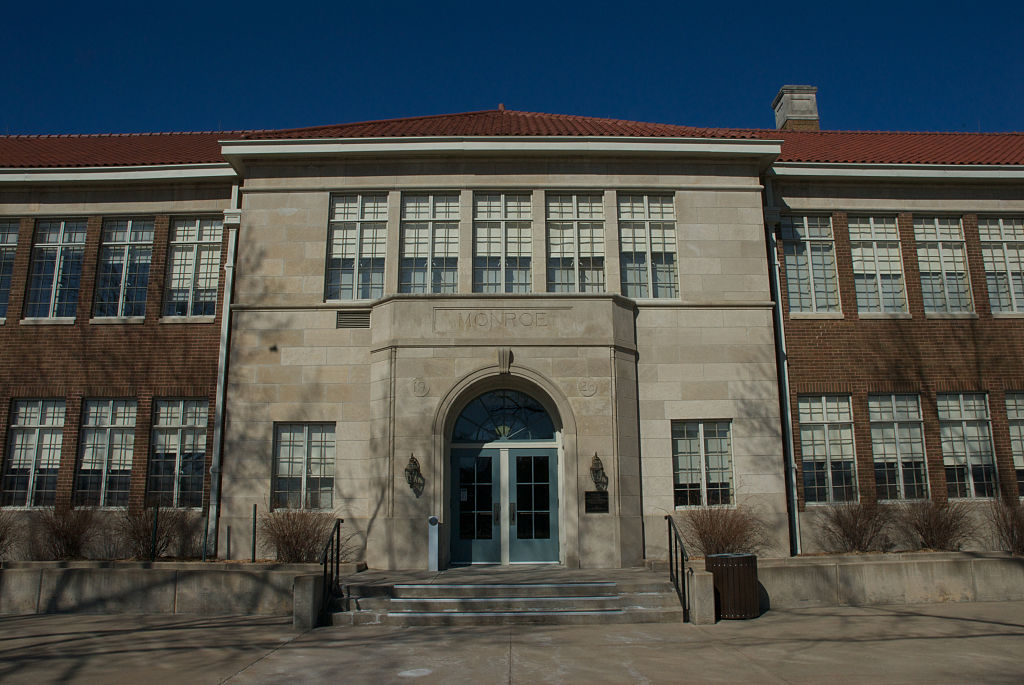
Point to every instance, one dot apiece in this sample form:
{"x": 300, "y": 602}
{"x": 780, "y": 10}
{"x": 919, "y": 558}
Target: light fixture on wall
{"x": 598, "y": 474}
{"x": 414, "y": 476}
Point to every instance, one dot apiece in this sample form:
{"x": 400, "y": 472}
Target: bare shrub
{"x": 1006, "y": 517}
{"x": 724, "y": 530}
{"x": 63, "y": 533}
{"x": 10, "y": 532}
{"x": 107, "y": 542}
{"x": 855, "y": 527}
{"x": 296, "y": 536}
{"x": 174, "y": 533}
{"x": 942, "y": 525}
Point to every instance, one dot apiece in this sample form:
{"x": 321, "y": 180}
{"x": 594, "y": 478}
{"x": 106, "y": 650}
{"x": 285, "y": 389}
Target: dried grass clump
{"x": 942, "y": 525}
{"x": 295, "y": 536}
{"x": 10, "y": 532}
{"x": 63, "y": 533}
{"x": 855, "y": 527}
{"x": 1006, "y": 517}
{"x": 724, "y": 530}
{"x": 176, "y": 535}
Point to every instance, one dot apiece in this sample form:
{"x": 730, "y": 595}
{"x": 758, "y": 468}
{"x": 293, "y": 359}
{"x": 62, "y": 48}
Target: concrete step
{"x": 470, "y": 605}
{"x": 532, "y": 617}
{"x": 572, "y": 589}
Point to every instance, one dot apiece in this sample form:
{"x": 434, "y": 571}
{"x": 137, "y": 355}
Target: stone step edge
{"x": 505, "y": 585}
{"x": 503, "y": 598}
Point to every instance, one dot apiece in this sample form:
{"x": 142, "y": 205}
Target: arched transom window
{"x": 503, "y": 415}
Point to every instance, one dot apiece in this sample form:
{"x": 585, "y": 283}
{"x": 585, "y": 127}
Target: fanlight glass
{"x": 501, "y": 416}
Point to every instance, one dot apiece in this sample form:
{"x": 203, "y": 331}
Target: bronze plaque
{"x": 595, "y": 501}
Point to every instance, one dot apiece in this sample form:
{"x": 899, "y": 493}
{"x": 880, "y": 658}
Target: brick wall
{"x": 140, "y": 361}
{"x": 918, "y": 355}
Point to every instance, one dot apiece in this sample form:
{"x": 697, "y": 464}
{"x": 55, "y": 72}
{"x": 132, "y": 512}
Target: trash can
{"x": 735, "y": 579}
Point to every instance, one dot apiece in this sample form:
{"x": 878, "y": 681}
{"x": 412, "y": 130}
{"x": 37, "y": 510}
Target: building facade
{"x": 548, "y": 332}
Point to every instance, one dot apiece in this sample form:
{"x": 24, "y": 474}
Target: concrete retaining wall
{"x": 162, "y": 588}
{"x": 916, "y": 578}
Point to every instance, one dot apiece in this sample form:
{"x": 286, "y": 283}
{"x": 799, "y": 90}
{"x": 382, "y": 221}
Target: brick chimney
{"x": 796, "y": 108}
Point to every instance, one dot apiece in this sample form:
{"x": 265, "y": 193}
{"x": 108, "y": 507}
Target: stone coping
{"x": 213, "y": 565}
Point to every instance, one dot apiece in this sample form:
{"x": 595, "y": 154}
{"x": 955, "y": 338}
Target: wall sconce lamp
{"x": 414, "y": 476}
{"x": 597, "y": 473}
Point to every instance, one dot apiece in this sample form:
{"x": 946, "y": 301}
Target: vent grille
{"x": 357, "y": 319}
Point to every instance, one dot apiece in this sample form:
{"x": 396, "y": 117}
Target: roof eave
{"x": 898, "y": 172}
{"x": 237, "y": 151}
{"x": 152, "y": 172}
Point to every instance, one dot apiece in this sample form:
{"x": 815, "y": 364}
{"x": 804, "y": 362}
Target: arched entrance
{"x": 504, "y": 489}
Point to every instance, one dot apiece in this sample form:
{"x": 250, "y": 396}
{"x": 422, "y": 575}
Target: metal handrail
{"x": 330, "y": 560}
{"x": 677, "y": 558}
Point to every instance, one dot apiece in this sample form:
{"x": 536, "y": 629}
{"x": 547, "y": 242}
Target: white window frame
{"x": 137, "y": 242}
{"x": 928, "y": 234}
{"x": 440, "y": 224}
{"x": 998, "y": 241}
{"x": 795, "y": 232}
{"x": 49, "y": 420}
{"x": 108, "y": 425}
{"x": 181, "y": 428}
{"x": 208, "y": 238}
{"x": 67, "y": 248}
{"x": 896, "y": 418}
{"x": 827, "y": 421}
{"x": 704, "y": 467}
{"x": 953, "y": 459}
{"x": 515, "y": 228}
{"x": 328, "y": 463}
{"x": 880, "y": 230}
{"x": 8, "y": 250}
{"x": 1015, "y": 419}
{"x": 583, "y": 218}
{"x": 626, "y": 203}
{"x": 363, "y": 239}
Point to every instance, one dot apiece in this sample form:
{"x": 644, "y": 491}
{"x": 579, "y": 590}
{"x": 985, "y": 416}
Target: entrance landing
{"x": 489, "y": 595}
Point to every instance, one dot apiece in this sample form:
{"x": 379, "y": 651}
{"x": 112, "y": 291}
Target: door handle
{"x": 497, "y": 514}
{"x": 512, "y": 513}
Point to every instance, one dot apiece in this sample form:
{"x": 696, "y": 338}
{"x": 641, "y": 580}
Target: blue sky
{"x": 116, "y": 67}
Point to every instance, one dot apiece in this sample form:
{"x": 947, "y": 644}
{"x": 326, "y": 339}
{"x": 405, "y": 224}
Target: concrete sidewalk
{"x": 979, "y": 642}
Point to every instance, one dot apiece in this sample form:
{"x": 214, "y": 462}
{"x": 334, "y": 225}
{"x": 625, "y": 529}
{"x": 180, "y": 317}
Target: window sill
{"x": 47, "y": 321}
{"x": 691, "y": 507}
{"x": 187, "y": 319}
{"x": 116, "y": 319}
{"x": 885, "y": 315}
{"x": 995, "y": 315}
{"x": 951, "y": 315}
{"x": 816, "y": 315}
{"x": 830, "y": 504}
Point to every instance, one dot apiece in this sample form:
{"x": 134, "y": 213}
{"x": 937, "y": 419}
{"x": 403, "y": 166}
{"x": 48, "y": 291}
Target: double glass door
{"x": 504, "y": 505}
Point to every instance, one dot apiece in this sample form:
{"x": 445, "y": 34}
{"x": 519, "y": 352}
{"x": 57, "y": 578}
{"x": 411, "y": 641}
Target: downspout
{"x": 782, "y": 363}
{"x": 232, "y": 220}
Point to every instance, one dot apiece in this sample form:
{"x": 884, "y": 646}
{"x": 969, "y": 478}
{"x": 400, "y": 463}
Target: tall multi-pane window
{"x": 430, "y": 243}
{"x": 8, "y": 246}
{"x": 877, "y": 264}
{"x": 810, "y": 258}
{"x": 123, "y": 273}
{"x": 942, "y": 259}
{"x": 647, "y": 245}
{"x": 57, "y": 252}
{"x": 826, "y": 448}
{"x": 193, "y": 267}
{"x": 502, "y": 242}
{"x": 178, "y": 453}
{"x": 358, "y": 243}
{"x": 702, "y": 462}
{"x": 1015, "y": 414}
{"x": 105, "y": 451}
{"x": 897, "y": 446}
{"x": 303, "y": 466}
{"x": 33, "y": 453}
{"x": 1002, "y": 246}
{"x": 967, "y": 444}
{"x": 575, "y": 243}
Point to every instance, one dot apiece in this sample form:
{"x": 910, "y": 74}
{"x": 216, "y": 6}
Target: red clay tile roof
{"x": 135, "y": 149}
{"x": 501, "y": 122}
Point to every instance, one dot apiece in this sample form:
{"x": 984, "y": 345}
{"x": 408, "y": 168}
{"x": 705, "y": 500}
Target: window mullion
{"x": 1009, "y": 272}
{"x": 702, "y": 453}
{"x": 58, "y": 265}
{"x": 124, "y": 277}
{"x": 35, "y": 463}
{"x": 828, "y": 456}
{"x": 899, "y": 460}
